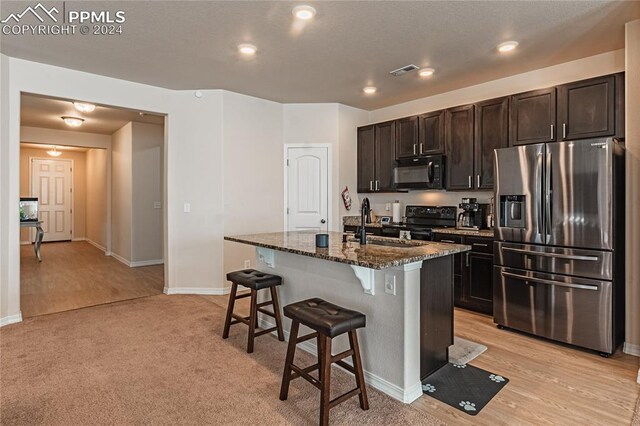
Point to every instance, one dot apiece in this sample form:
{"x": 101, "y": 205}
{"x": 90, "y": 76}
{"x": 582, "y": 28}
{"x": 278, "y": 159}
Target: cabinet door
{"x": 478, "y": 282}
{"x": 492, "y": 132}
{"x": 533, "y": 117}
{"x": 459, "y": 147}
{"x": 457, "y": 265}
{"x": 586, "y": 109}
{"x": 407, "y": 137}
{"x": 385, "y": 142}
{"x": 366, "y": 158}
{"x": 431, "y": 133}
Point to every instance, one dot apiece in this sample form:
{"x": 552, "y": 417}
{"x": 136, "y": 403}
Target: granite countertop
{"x": 487, "y": 233}
{"x": 374, "y": 256}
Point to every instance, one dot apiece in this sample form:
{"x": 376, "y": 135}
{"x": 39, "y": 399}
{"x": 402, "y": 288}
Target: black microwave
{"x": 420, "y": 173}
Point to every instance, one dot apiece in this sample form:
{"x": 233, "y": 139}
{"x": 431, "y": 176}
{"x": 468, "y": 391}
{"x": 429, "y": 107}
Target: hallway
{"x": 75, "y": 275}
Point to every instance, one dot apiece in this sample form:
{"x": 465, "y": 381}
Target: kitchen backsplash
{"x": 431, "y": 198}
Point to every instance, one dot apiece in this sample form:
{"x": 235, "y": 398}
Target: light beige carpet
{"x": 161, "y": 360}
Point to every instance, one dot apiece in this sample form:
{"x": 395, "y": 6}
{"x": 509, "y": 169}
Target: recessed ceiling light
{"x": 73, "y": 121}
{"x": 369, "y": 90}
{"x": 247, "y": 49}
{"x": 84, "y": 107}
{"x": 304, "y": 12}
{"x": 507, "y": 46}
{"x": 426, "y": 72}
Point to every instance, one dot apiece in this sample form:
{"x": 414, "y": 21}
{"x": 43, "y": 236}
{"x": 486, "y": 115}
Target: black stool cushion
{"x": 254, "y": 279}
{"x": 324, "y": 317}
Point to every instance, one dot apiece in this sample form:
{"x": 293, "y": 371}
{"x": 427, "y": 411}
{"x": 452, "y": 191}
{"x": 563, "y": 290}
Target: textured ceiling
{"x": 38, "y": 111}
{"x": 192, "y": 45}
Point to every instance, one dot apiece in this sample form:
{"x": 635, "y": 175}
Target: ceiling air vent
{"x": 404, "y": 70}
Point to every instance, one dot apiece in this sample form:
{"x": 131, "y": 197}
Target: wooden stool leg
{"x": 253, "y": 320}
{"x": 324, "y": 355}
{"x": 291, "y": 351}
{"x": 357, "y": 366}
{"x": 230, "y": 305}
{"x": 276, "y": 311}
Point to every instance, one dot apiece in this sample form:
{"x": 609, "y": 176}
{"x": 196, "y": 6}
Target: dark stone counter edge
{"x": 456, "y": 248}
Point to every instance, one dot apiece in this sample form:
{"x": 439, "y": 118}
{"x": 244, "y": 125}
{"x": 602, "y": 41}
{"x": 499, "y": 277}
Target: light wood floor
{"x": 75, "y": 275}
{"x": 549, "y": 384}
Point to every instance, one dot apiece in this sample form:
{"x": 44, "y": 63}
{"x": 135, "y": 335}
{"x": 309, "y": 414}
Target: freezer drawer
{"x": 577, "y": 311}
{"x": 595, "y": 264}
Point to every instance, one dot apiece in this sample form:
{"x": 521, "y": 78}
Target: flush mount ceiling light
{"x": 247, "y": 49}
{"x": 54, "y": 152}
{"x": 73, "y": 121}
{"x": 370, "y": 90}
{"x": 84, "y": 107}
{"x": 304, "y": 12}
{"x": 426, "y": 72}
{"x": 507, "y": 46}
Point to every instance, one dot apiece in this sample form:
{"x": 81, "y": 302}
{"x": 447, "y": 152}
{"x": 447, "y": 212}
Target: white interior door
{"x": 51, "y": 183}
{"x": 307, "y": 189}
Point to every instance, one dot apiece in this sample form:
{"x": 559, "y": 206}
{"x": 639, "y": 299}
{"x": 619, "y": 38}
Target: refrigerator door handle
{"x": 556, "y": 255}
{"x": 548, "y": 189}
{"x": 538, "y": 179}
{"x": 550, "y": 282}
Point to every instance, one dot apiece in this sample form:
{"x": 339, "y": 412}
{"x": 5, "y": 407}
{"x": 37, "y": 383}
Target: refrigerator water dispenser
{"x": 513, "y": 211}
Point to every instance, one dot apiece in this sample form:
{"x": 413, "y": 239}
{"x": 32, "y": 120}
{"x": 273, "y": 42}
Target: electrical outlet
{"x": 157, "y": 205}
{"x": 390, "y": 284}
{"x": 187, "y": 207}
{"x": 387, "y": 207}
{"x": 247, "y": 264}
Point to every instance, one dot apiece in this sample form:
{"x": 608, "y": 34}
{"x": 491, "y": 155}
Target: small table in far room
{"x": 39, "y": 236}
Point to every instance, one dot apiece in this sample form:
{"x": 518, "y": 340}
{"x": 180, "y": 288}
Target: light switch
{"x": 157, "y": 205}
{"x": 187, "y": 207}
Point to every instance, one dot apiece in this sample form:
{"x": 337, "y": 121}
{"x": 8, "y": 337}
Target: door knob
{"x": 323, "y": 221}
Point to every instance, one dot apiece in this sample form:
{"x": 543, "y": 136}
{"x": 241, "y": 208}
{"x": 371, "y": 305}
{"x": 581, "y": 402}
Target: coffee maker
{"x": 474, "y": 214}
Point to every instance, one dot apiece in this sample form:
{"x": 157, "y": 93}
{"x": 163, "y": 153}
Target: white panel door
{"x": 307, "y": 189}
{"x": 51, "y": 183}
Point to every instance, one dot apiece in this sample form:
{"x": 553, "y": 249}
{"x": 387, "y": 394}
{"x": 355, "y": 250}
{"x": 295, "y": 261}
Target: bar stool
{"x": 328, "y": 321}
{"x": 255, "y": 280}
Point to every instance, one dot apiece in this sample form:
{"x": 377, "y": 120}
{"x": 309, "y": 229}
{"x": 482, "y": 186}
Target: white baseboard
{"x": 24, "y": 243}
{"x": 631, "y": 349}
{"x": 120, "y": 259}
{"x": 197, "y": 290}
{"x": 394, "y": 391}
{"x": 11, "y": 319}
{"x": 79, "y": 239}
{"x": 96, "y": 245}
{"x": 138, "y": 263}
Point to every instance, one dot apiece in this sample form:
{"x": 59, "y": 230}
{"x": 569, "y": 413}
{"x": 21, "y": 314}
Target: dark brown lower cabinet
{"x": 473, "y": 273}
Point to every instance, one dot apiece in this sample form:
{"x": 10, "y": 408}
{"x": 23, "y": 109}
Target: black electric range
{"x": 420, "y": 221}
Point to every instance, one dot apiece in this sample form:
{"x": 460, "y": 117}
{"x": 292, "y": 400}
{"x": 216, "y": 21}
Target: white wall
{"x": 63, "y": 137}
{"x": 147, "y": 189}
{"x": 96, "y": 199}
{"x": 253, "y": 172}
{"x": 121, "y": 192}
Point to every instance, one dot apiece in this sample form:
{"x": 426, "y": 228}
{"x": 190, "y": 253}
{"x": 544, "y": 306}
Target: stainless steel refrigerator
{"x": 559, "y": 250}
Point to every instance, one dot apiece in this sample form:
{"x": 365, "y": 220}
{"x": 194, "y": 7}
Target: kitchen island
{"x": 405, "y": 288}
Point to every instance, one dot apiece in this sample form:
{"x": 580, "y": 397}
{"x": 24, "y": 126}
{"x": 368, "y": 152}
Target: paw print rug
{"x": 464, "y": 387}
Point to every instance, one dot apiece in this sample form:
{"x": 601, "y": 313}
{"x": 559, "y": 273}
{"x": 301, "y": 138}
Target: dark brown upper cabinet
{"x": 431, "y": 133}
{"x": 533, "y": 117}
{"x": 366, "y": 158}
{"x": 586, "y": 109}
{"x": 491, "y": 133}
{"x": 385, "y": 156}
{"x": 459, "y": 147}
{"x": 376, "y": 157}
{"x": 407, "y": 137}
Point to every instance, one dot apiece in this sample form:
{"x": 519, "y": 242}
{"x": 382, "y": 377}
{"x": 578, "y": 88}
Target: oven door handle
{"x": 550, "y": 282}
{"x": 555, "y": 255}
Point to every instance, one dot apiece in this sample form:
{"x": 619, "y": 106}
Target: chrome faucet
{"x": 365, "y": 216}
